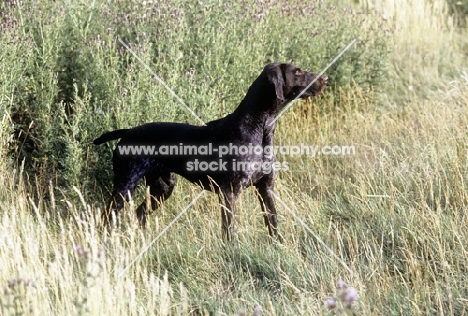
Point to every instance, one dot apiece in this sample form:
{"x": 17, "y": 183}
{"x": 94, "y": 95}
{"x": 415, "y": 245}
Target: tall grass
{"x": 429, "y": 48}
{"x": 394, "y": 213}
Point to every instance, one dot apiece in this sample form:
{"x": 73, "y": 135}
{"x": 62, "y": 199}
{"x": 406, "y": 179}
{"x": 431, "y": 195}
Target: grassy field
{"x": 389, "y": 220}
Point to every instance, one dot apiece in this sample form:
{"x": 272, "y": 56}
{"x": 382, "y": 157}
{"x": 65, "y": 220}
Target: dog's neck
{"x": 256, "y": 112}
{"x": 259, "y": 109}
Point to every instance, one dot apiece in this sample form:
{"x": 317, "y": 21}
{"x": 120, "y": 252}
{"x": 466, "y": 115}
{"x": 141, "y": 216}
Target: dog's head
{"x": 290, "y": 81}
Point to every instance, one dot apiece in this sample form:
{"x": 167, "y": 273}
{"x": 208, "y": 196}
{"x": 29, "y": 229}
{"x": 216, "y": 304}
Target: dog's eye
{"x": 298, "y": 72}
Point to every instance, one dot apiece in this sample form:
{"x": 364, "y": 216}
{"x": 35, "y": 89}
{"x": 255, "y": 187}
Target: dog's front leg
{"x": 267, "y": 202}
{"x": 227, "y": 201}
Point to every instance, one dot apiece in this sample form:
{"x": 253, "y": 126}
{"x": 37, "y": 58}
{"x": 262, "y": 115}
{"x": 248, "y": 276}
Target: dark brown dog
{"x": 235, "y": 161}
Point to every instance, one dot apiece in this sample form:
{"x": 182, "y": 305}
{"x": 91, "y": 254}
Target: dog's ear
{"x": 276, "y": 77}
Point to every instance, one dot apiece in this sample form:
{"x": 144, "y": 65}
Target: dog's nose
{"x": 324, "y": 79}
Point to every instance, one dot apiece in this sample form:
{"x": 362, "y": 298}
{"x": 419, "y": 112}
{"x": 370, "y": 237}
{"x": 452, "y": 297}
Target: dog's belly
{"x": 209, "y": 171}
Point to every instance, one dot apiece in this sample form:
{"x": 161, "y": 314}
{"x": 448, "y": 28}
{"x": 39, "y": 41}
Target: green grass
{"x": 394, "y": 212}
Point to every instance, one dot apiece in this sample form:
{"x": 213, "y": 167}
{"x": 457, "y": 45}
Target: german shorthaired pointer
{"x": 225, "y": 156}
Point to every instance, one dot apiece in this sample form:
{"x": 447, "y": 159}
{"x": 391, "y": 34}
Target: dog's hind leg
{"x": 127, "y": 174}
{"x": 161, "y": 183}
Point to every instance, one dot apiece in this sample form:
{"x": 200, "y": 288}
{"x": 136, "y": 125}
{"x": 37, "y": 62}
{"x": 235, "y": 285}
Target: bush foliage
{"x": 68, "y": 77}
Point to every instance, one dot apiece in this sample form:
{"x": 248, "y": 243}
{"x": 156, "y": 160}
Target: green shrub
{"x": 68, "y": 78}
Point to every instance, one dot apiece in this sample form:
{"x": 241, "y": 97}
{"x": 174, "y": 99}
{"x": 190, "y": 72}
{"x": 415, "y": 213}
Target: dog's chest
{"x": 253, "y": 162}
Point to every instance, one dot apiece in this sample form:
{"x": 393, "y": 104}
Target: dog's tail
{"x": 119, "y": 133}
